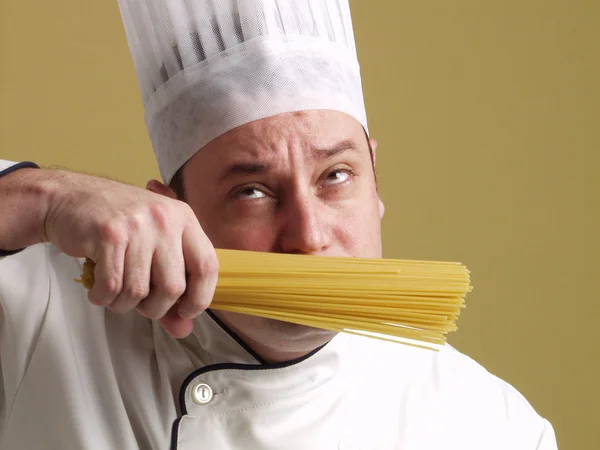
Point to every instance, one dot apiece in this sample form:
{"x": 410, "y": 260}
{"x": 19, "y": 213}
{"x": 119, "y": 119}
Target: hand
{"x": 150, "y": 251}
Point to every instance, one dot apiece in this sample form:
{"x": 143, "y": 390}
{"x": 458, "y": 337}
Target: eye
{"x": 250, "y": 193}
{"x": 338, "y": 176}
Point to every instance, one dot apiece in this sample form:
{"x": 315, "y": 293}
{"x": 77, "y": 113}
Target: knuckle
{"x": 188, "y": 212}
{"x": 112, "y": 232}
{"x": 135, "y": 223}
{"x": 173, "y": 289}
{"x": 209, "y": 266}
{"x": 197, "y": 304}
{"x": 190, "y": 219}
{"x": 112, "y": 284}
{"x": 137, "y": 291}
{"x": 160, "y": 215}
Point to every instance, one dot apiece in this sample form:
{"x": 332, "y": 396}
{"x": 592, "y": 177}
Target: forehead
{"x": 304, "y": 132}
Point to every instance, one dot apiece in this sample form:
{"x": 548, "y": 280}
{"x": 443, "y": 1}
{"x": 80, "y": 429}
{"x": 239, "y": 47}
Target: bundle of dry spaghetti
{"x": 413, "y": 302}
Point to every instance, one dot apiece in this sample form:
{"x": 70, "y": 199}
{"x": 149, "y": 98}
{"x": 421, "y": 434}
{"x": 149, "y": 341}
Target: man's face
{"x": 293, "y": 183}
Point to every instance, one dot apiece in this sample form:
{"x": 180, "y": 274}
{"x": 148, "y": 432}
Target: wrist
{"x": 22, "y": 203}
{"x": 49, "y": 190}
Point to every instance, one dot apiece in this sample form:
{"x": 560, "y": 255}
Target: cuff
{"x": 11, "y": 169}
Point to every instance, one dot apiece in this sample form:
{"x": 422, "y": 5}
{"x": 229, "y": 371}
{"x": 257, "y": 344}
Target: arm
{"x": 11, "y": 176}
{"x": 149, "y": 249}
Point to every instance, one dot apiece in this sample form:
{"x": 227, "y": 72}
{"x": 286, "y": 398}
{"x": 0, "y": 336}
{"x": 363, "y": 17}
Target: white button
{"x": 202, "y": 394}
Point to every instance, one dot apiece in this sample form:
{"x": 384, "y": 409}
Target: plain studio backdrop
{"x": 488, "y": 119}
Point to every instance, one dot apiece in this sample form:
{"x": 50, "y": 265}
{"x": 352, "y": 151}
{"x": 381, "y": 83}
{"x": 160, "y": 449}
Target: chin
{"x": 296, "y": 331}
{"x": 275, "y": 339}
{"x": 293, "y": 337}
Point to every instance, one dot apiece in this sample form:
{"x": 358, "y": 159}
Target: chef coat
{"x": 77, "y": 376}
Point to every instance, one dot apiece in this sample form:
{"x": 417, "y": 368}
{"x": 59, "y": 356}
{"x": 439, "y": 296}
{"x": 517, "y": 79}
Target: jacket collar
{"x": 215, "y": 343}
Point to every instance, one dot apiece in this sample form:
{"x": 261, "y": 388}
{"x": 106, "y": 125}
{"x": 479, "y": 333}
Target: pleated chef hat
{"x": 207, "y": 66}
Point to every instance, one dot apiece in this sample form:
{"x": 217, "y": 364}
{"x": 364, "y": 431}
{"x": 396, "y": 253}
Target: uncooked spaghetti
{"x": 413, "y": 302}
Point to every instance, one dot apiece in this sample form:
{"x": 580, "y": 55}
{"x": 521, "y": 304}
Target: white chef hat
{"x": 207, "y": 66}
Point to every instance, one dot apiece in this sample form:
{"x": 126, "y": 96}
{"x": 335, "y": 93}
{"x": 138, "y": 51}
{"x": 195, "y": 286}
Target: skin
{"x": 294, "y": 183}
{"x": 301, "y": 183}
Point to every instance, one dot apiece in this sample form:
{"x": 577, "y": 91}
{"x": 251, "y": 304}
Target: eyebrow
{"x": 242, "y": 168}
{"x": 347, "y": 145}
{"x": 253, "y": 168}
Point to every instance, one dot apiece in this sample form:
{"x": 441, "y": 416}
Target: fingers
{"x": 202, "y": 267}
{"x": 136, "y": 277}
{"x": 108, "y": 275}
{"x": 175, "y": 325}
{"x": 166, "y": 268}
{"x": 168, "y": 281}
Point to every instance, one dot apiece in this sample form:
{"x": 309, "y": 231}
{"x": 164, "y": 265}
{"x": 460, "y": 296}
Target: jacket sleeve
{"x": 547, "y": 439}
{"x": 24, "y": 296}
{"x": 7, "y": 167}
{"x": 22, "y": 277}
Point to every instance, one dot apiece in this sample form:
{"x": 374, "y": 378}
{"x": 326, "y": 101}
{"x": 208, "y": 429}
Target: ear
{"x": 373, "y": 144}
{"x": 162, "y": 189}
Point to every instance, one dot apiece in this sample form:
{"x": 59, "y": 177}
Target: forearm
{"x": 24, "y": 198}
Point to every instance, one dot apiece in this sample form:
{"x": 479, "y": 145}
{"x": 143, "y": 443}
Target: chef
{"x": 256, "y": 116}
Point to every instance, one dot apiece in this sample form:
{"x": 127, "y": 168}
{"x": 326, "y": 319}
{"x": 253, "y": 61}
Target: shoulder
{"x": 451, "y": 388}
{"x": 459, "y": 375}
{"x": 497, "y": 406}
{"x": 445, "y": 370}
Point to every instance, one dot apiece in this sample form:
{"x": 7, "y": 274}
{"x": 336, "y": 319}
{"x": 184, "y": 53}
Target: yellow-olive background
{"x": 488, "y": 120}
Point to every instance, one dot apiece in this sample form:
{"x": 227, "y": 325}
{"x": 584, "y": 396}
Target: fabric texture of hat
{"x": 207, "y": 66}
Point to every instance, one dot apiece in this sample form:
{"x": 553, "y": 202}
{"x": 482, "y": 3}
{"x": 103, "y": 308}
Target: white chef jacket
{"x": 77, "y": 376}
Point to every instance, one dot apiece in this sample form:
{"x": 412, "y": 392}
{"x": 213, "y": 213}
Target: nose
{"x": 305, "y": 227}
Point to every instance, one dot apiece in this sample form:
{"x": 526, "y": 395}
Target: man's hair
{"x": 177, "y": 186}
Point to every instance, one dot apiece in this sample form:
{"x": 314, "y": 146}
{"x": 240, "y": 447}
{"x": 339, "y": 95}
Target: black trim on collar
{"x": 175, "y": 433}
{"x": 236, "y": 338}
{"x": 10, "y": 252}
{"x": 11, "y": 169}
{"x": 237, "y": 366}
{"x": 21, "y": 165}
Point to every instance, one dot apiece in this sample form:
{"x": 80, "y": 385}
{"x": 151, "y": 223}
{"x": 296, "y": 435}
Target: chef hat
{"x": 207, "y": 66}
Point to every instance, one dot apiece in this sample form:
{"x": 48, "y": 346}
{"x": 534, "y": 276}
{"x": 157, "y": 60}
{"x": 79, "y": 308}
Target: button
{"x": 202, "y": 394}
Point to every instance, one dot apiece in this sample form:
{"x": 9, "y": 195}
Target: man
{"x": 256, "y": 116}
